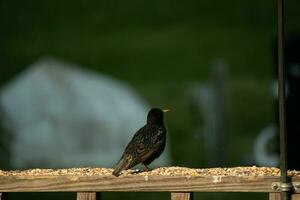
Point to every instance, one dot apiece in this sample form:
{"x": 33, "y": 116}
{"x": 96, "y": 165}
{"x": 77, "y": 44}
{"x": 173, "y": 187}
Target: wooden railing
{"x": 181, "y": 187}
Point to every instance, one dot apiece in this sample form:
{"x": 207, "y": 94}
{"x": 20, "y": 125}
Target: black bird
{"x": 147, "y": 143}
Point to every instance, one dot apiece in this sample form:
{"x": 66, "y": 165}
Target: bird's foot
{"x": 136, "y": 171}
{"x": 147, "y": 168}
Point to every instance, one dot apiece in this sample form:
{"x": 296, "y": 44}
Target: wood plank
{"x": 277, "y": 196}
{"x": 181, "y": 196}
{"x": 88, "y": 195}
{"x": 3, "y": 196}
{"x": 274, "y": 196}
{"x": 295, "y": 196}
{"x": 173, "y": 183}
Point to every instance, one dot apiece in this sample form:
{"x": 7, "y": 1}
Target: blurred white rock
{"x": 62, "y": 116}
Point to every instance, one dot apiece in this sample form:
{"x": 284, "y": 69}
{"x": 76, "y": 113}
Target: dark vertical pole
{"x": 282, "y": 104}
{"x": 3, "y": 196}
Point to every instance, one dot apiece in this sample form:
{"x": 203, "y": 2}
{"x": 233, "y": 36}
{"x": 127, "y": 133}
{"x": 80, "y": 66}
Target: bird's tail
{"x": 123, "y": 163}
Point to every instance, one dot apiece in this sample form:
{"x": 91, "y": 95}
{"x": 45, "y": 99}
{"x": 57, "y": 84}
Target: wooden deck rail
{"x": 89, "y": 184}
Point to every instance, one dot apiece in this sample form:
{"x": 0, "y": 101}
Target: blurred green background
{"x": 161, "y": 48}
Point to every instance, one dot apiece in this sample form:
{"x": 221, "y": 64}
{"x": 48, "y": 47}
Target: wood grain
{"x": 295, "y": 196}
{"x": 274, "y": 196}
{"x": 99, "y": 183}
{"x": 277, "y": 196}
{"x": 88, "y": 195}
{"x": 181, "y": 196}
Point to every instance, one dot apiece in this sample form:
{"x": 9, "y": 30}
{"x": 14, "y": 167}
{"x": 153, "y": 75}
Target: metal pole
{"x": 285, "y": 183}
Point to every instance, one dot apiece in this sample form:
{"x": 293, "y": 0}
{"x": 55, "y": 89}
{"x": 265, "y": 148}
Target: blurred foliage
{"x": 160, "y": 47}
{"x": 130, "y": 38}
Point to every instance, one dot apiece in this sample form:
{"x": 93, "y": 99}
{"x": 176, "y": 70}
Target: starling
{"x": 146, "y": 145}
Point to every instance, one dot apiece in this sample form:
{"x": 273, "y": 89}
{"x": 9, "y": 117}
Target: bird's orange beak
{"x": 166, "y": 110}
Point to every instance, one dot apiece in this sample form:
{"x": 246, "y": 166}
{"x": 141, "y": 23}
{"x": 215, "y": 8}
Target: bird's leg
{"x": 147, "y": 168}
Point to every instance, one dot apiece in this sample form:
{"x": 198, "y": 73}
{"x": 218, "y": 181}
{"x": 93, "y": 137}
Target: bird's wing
{"x": 143, "y": 144}
{"x": 123, "y": 163}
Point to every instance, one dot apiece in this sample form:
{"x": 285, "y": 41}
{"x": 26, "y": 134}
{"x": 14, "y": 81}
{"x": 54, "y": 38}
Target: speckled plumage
{"x": 146, "y": 145}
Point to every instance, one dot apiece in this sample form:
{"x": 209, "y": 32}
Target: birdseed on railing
{"x": 161, "y": 171}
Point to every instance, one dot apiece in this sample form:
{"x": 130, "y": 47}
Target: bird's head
{"x": 156, "y": 116}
